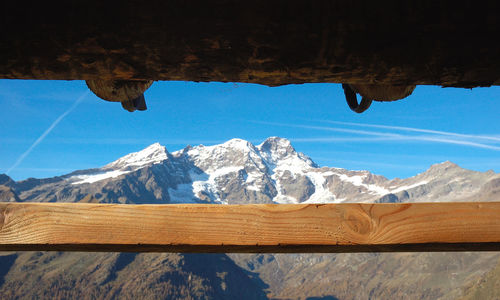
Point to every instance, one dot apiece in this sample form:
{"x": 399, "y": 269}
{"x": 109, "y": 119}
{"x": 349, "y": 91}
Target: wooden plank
{"x": 250, "y": 228}
{"x": 267, "y": 42}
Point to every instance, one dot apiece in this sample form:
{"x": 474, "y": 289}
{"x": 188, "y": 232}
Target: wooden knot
{"x": 357, "y": 222}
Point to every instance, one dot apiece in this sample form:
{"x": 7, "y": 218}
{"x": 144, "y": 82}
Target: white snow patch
{"x": 97, "y": 177}
{"x": 407, "y": 187}
{"x": 280, "y": 198}
{"x": 283, "y": 199}
{"x": 321, "y": 192}
{"x": 215, "y": 157}
{"x": 223, "y": 171}
{"x": 209, "y": 151}
{"x": 357, "y": 180}
{"x": 253, "y": 188}
{"x": 239, "y": 144}
{"x": 328, "y": 173}
{"x": 284, "y": 157}
{"x": 201, "y": 183}
{"x": 253, "y": 176}
{"x": 182, "y": 194}
{"x": 377, "y": 189}
{"x": 253, "y": 181}
{"x": 153, "y": 154}
{"x": 293, "y": 164}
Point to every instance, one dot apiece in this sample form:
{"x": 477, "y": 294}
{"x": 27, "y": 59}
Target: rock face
{"x": 370, "y": 275}
{"x": 59, "y": 275}
{"x": 487, "y": 287}
{"x": 8, "y": 195}
{"x": 240, "y": 172}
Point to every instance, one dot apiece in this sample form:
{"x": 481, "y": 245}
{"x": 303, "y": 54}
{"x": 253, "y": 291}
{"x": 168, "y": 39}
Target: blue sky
{"x": 51, "y": 128}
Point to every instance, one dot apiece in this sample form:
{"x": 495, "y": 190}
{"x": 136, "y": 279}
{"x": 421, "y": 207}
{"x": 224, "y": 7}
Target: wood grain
{"x": 250, "y": 228}
{"x": 267, "y": 42}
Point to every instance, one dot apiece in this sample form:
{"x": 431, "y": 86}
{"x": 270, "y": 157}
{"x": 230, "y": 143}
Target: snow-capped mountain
{"x": 154, "y": 154}
{"x": 240, "y": 172}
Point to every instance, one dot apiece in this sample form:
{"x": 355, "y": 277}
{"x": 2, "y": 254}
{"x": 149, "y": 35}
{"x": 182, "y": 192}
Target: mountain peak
{"x": 6, "y": 180}
{"x": 444, "y": 165}
{"x": 154, "y": 153}
{"x": 276, "y": 149}
{"x": 276, "y": 144}
{"x": 239, "y": 144}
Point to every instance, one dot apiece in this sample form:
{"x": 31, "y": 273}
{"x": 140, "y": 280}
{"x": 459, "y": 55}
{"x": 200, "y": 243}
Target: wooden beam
{"x": 275, "y": 42}
{"x": 250, "y": 228}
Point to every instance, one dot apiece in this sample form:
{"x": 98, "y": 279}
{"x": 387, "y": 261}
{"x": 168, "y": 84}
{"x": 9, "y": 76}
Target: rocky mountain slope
{"x": 239, "y": 172}
{"x": 487, "y": 287}
{"x": 60, "y": 275}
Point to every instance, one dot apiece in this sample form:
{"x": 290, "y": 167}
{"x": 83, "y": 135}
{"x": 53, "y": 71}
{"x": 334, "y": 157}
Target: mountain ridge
{"x": 240, "y": 172}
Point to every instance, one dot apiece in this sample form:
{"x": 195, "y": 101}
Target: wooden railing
{"x": 250, "y": 228}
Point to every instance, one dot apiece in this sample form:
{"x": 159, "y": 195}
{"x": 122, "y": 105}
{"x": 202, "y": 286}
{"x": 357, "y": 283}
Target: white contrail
{"x": 52, "y": 126}
{"x": 333, "y": 139}
{"x": 456, "y": 142}
{"x": 417, "y": 138}
{"x": 438, "y": 137}
{"x": 473, "y": 136}
{"x": 344, "y": 130}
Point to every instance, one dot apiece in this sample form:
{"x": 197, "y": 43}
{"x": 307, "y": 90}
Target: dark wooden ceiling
{"x": 448, "y": 43}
